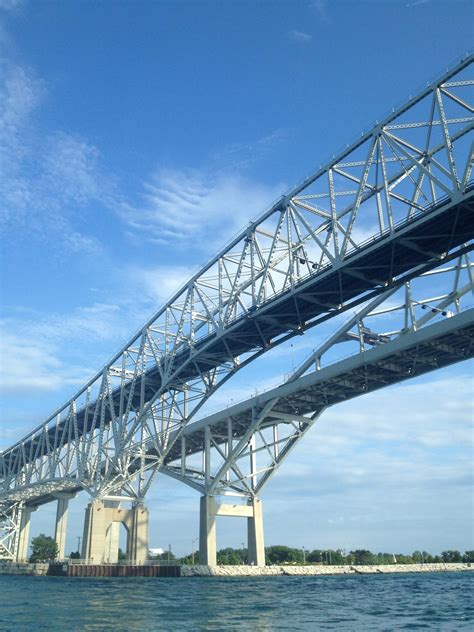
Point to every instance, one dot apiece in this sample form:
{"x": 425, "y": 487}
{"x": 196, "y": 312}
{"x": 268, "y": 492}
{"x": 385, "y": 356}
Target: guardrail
{"x": 83, "y": 562}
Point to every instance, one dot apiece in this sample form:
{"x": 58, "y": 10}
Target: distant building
{"x": 157, "y": 551}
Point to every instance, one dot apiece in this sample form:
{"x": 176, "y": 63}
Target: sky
{"x": 137, "y": 138}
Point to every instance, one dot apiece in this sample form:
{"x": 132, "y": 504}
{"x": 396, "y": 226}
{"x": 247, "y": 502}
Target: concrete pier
{"x": 210, "y": 509}
{"x": 101, "y": 532}
{"x": 256, "y": 544}
{"x": 60, "y": 531}
{"x": 24, "y": 533}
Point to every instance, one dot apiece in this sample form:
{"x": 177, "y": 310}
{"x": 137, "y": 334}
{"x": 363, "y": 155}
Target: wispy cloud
{"x": 192, "y": 206}
{"x": 158, "y": 283}
{"x": 242, "y": 155}
{"x": 321, "y": 9}
{"x": 52, "y": 351}
{"x": 46, "y": 178}
{"x": 416, "y": 3}
{"x": 33, "y": 365}
{"x": 300, "y": 36}
{"x": 11, "y": 5}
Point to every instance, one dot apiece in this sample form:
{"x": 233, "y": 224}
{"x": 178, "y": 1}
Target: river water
{"x": 431, "y": 601}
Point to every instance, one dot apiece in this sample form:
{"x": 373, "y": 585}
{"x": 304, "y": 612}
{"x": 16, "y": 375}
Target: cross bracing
{"x": 388, "y": 208}
{"x": 399, "y": 335}
{"x": 392, "y": 316}
{"x": 239, "y": 449}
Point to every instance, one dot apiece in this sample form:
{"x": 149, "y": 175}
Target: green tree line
{"x": 43, "y": 548}
{"x": 280, "y": 554}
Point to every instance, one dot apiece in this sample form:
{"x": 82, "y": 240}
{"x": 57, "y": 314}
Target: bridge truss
{"x": 404, "y": 333}
{"x": 390, "y": 207}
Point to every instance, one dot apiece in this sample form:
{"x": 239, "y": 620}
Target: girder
{"x": 389, "y": 208}
{"x": 293, "y": 407}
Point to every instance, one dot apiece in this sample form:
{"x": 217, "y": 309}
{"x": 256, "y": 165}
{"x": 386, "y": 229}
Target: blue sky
{"x": 112, "y": 114}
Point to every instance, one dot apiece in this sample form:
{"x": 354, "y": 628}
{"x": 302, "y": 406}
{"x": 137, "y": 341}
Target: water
{"x": 431, "y": 601}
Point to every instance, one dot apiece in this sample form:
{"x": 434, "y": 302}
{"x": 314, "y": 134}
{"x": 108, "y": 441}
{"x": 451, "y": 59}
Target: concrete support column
{"x": 137, "y": 540}
{"x": 24, "y": 533}
{"x": 61, "y": 525}
{"x": 112, "y": 541}
{"x": 207, "y": 531}
{"x": 93, "y": 541}
{"x": 256, "y": 544}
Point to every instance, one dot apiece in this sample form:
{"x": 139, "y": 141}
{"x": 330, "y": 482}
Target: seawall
{"x": 24, "y": 568}
{"x": 110, "y": 570}
{"x": 261, "y": 571}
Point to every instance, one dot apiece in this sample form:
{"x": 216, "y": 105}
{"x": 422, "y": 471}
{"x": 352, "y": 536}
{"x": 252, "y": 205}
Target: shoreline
{"x": 269, "y": 571}
{"x": 107, "y": 570}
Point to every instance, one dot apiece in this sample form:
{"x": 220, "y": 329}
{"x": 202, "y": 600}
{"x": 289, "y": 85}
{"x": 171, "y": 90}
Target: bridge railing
{"x": 159, "y": 381}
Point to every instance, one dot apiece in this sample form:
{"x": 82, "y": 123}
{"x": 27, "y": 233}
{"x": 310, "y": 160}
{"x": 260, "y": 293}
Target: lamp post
{"x": 243, "y": 553}
{"x": 304, "y": 554}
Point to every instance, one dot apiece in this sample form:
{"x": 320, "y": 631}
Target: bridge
{"x": 389, "y": 218}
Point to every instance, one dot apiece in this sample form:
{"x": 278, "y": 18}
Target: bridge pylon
{"x": 210, "y": 508}
{"x": 101, "y": 531}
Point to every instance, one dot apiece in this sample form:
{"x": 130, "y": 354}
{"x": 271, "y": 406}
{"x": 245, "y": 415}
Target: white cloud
{"x": 183, "y": 207}
{"x": 50, "y": 352}
{"x": 46, "y": 178}
{"x": 321, "y": 9}
{"x": 31, "y": 365}
{"x": 11, "y": 5}
{"x": 416, "y": 3}
{"x": 157, "y": 284}
{"x": 300, "y": 36}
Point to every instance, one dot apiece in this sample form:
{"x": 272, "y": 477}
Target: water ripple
{"x": 374, "y": 602}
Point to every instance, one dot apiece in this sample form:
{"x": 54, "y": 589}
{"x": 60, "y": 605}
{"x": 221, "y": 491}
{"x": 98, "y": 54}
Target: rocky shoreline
{"x": 264, "y": 571}
{"x": 41, "y": 569}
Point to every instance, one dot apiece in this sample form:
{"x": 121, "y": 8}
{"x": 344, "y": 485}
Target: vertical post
{"x": 93, "y": 541}
{"x": 24, "y": 533}
{"x": 183, "y": 456}
{"x": 112, "y": 540}
{"x": 256, "y": 545}
{"x": 61, "y": 526}
{"x": 111, "y": 530}
{"x": 137, "y": 540}
{"x": 253, "y": 462}
{"x": 229, "y": 446}
{"x": 207, "y": 455}
{"x": 207, "y": 532}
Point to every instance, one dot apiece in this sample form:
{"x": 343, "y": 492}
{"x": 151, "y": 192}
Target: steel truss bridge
{"x": 384, "y": 230}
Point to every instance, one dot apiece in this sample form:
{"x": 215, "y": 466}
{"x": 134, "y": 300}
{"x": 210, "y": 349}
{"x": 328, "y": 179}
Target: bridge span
{"x": 394, "y": 207}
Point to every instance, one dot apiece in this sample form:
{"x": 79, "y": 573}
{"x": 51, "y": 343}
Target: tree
{"x": 451, "y": 556}
{"x": 230, "y": 556}
{"x": 75, "y": 555}
{"x": 283, "y": 555}
{"x": 122, "y": 555}
{"x": 468, "y": 556}
{"x": 362, "y": 557}
{"x": 43, "y": 548}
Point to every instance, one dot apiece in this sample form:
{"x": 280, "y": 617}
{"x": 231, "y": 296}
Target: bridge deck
{"x": 433, "y": 347}
{"x": 423, "y": 238}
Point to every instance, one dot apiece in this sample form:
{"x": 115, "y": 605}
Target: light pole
{"x": 192, "y": 549}
{"x": 243, "y": 553}
{"x": 304, "y": 555}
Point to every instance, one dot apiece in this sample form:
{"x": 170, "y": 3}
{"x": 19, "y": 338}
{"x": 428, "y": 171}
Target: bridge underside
{"x": 433, "y": 347}
{"x": 369, "y": 269}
